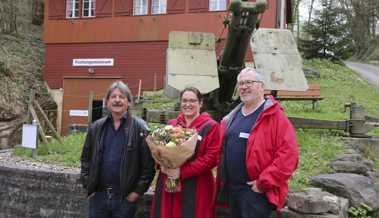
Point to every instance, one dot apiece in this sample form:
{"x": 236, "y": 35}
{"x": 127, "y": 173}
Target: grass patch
{"x": 66, "y": 154}
{"x": 157, "y": 100}
{"x": 339, "y": 85}
{"x": 316, "y": 149}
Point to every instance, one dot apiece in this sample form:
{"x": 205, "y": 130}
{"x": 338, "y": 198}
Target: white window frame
{"x": 91, "y": 8}
{"x": 140, "y": 7}
{"x": 158, "y": 6}
{"x": 217, "y": 5}
{"x": 71, "y": 9}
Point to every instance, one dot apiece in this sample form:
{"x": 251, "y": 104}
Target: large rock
{"x": 363, "y": 144}
{"x": 340, "y": 166}
{"x": 316, "y": 201}
{"x": 286, "y": 213}
{"x": 311, "y": 73}
{"x": 9, "y": 132}
{"x": 351, "y": 156}
{"x": 357, "y": 188}
{"x": 374, "y": 175}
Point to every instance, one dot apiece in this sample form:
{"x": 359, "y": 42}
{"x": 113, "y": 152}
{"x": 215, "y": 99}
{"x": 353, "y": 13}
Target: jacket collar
{"x": 196, "y": 123}
{"x": 124, "y": 119}
{"x": 270, "y": 106}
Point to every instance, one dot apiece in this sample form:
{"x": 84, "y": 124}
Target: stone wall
{"x": 29, "y": 193}
{"x": 41, "y": 194}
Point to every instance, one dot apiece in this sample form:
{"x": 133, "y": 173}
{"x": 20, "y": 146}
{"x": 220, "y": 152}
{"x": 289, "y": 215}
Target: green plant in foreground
{"x": 362, "y": 211}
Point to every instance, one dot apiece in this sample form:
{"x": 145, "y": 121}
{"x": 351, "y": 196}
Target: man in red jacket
{"x": 259, "y": 152}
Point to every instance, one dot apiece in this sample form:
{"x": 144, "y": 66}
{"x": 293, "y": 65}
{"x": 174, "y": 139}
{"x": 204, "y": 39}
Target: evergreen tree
{"x": 327, "y": 35}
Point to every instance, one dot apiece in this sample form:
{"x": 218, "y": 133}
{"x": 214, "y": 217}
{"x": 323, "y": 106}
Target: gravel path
{"x": 8, "y": 160}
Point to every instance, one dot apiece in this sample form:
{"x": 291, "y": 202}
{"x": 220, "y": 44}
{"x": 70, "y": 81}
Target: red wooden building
{"x": 90, "y": 43}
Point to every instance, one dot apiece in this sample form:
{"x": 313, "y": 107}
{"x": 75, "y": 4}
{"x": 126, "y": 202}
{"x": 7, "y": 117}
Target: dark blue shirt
{"x": 236, "y": 140}
{"x": 113, "y": 142}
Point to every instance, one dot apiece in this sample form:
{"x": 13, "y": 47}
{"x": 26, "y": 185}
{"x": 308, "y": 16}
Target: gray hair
{"x": 124, "y": 89}
{"x": 252, "y": 71}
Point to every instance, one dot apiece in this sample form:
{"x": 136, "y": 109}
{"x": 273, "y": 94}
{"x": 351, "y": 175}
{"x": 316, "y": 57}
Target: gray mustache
{"x": 117, "y": 105}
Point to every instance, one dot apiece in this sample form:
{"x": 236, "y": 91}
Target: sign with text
{"x": 92, "y": 62}
{"x": 29, "y": 136}
{"x": 78, "y": 113}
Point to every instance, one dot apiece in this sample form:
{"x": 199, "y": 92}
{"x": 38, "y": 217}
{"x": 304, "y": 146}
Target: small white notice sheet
{"x": 29, "y": 136}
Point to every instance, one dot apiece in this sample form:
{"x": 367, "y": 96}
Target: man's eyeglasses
{"x": 248, "y": 83}
{"x": 191, "y": 101}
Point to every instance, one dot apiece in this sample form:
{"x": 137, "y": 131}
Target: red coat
{"x": 195, "y": 199}
{"x": 271, "y": 153}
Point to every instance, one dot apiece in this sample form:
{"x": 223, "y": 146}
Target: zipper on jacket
{"x": 172, "y": 205}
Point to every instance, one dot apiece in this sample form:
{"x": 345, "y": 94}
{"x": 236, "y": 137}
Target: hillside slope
{"x": 21, "y": 62}
{"x": 20, "y": 70}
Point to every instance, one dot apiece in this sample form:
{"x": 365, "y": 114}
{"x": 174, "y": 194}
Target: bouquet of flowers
{"x": 170, "y": 147}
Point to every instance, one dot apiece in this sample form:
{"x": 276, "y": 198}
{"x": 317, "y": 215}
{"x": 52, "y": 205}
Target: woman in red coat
{"x": 196, "y": 178}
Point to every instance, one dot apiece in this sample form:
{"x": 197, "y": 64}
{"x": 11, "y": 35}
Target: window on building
{"x": 159, "y": 7}
{"x": 140, "y": 7}
{"x": 72, "y": 8}
{"x": 217, "y": 5}
{"x": 89, "y": 8}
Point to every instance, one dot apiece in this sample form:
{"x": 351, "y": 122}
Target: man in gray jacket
{"x": 116, "y": 163}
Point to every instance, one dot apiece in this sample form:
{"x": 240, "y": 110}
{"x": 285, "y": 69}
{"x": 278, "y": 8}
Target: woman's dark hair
{"x": 194, "y": 90}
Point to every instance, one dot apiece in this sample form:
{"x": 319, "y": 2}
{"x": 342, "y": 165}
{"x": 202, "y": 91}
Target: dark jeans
{"x": 108, "y": 205}
{"x": 245, "y": 203}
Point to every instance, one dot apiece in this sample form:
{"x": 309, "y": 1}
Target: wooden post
{"x": 90, "y": 102}
{"x": 34, "y": 150}
{"x": 30, "y": 103}
{"x": 155, "y": 82}
{"x": 40, "y": 129}
{"x": 49, "y": 124}
{"x": 139, "y": 91}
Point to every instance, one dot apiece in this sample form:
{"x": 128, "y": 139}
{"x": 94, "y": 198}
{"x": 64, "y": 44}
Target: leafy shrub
{"x": 363, "y": 211}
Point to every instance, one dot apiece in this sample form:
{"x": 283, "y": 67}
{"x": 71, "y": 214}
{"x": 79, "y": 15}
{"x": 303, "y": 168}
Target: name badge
{"x": 244, "y": 135}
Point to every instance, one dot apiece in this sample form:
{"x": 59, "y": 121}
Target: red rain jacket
{"x": 195, "y": 199}
{"x": 271, "y": 154}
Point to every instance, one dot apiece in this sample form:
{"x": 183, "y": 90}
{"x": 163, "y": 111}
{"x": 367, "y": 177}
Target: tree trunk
{"x": 310, "y": 11}
{"x": 8, "y": 16}
{"x": 37, "y": 12}
{"x": 373, "y": 16}
{"x": 296, "y": 17}
{"x": 359, "y": 14}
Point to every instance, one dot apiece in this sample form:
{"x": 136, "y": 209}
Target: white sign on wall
{"x": 92, "y": 62}
{"x": 78, "y": 113}
{"x": 29, "y": 136}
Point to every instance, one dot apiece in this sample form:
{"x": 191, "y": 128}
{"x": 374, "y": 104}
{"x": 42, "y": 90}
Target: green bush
{"x": 362, "y": 211}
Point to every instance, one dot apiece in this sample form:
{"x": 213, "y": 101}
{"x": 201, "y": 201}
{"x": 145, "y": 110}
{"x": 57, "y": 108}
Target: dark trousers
{"x": 109, "y": 205}
{"x": 245, "y": 203}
